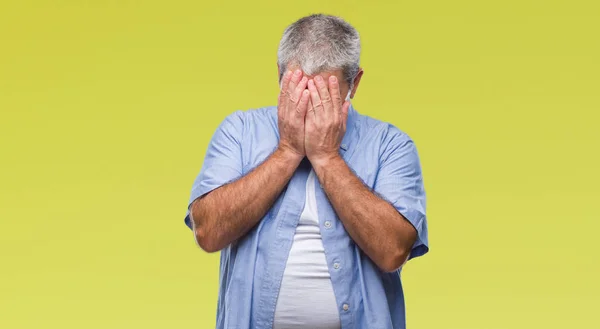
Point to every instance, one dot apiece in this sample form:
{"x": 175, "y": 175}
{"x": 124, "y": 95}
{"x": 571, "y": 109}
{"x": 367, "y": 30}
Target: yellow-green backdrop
{"x": 106, "y": 109}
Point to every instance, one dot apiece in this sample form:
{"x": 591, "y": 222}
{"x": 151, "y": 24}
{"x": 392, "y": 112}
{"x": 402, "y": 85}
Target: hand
{"x": 325, "y": 120}
{"x": 291, "y": 110}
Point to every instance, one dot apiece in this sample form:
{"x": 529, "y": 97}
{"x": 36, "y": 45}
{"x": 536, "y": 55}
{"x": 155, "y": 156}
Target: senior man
{"x": 314, "y": 207}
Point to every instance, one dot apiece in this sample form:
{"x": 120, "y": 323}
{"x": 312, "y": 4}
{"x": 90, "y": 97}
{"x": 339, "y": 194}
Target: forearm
{"x": 227, "y": 213}
{"x": 373, "y": 223}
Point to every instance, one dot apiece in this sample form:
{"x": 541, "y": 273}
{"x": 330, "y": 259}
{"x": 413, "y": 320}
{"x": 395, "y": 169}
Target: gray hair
{"x": 319, "y": 43}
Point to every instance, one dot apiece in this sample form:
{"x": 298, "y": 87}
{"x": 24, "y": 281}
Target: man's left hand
{"x": 325, "y": 122}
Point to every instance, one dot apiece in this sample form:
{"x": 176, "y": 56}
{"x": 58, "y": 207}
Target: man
{"x": 314, "y": 207}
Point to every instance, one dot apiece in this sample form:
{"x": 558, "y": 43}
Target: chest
{"x": 361, "y": 154}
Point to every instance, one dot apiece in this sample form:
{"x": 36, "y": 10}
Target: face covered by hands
{"x": 312, "y": 115}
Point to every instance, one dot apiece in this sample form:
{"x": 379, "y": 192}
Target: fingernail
{"x": 298, "y": 72}
{"x": 318, "y": 78}
{"x": 303, "y": 79}
{"x": 288, "y": 73}
{"x": 332, "y": 78}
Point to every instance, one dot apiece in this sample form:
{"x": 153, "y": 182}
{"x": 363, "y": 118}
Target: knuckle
{"x": 290, "y": 96}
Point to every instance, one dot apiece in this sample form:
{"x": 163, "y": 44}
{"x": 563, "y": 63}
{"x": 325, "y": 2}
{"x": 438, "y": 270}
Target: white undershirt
{"x": 306, "y": 298}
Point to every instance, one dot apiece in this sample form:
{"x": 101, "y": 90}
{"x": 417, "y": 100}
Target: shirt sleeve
{"x": 223, "y": 159}
{"x": 400, "y": 182}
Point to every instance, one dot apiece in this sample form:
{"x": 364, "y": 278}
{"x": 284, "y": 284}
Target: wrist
{"x": 321, "y": 163}
{"x": 288, "y": 156}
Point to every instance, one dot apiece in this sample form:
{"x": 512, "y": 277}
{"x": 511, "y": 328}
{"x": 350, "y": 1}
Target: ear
{"x": 356, "y": 82}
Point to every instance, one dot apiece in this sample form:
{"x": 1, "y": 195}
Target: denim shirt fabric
{"x": 251, "y": 268}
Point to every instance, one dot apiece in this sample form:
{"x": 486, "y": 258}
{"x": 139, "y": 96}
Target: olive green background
{"x": 107, "y": 107}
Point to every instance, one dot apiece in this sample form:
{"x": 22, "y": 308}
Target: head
{"x": 322, "y": 45}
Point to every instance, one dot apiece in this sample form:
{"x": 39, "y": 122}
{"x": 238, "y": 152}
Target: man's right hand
{"x": 291, "y": 110}
{"x": 227, "y": 213}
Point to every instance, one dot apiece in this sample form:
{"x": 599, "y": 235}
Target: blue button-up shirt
{"x": 251, "y": 270}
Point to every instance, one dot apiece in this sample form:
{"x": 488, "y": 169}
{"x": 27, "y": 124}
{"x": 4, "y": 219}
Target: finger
{"x": 303, "y": 104}
{"x": 282, "y": 93}
{"x": 285, "y": 80}
{"x": 293, "y": 83}
{"x": 300, "y": 88}
{"x": 309, "y": 119}
{"x": 336, "y": 98}
{"x": 315, "y": 99}
{"x": 324, "y": 95}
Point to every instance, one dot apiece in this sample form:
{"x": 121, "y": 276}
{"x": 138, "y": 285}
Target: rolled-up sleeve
{"x": 223, "y": 159}
{"x": 400, "y": 182}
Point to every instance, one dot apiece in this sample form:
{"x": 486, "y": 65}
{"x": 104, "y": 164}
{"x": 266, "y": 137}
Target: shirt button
{"x": 328, "y": 224}
{"x": 344, "y": 146}
{"x": 345, "y": 307}
{"x": 336, "y": 265}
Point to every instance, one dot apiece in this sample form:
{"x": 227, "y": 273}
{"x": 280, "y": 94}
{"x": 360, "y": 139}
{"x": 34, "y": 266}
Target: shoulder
{"x": 384, "y": 133}
{"x": 256, "y": 118}
{"x": 255, "y": 114}
{"x": 393, "y": 146}
{"x": 261, "y": 115}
